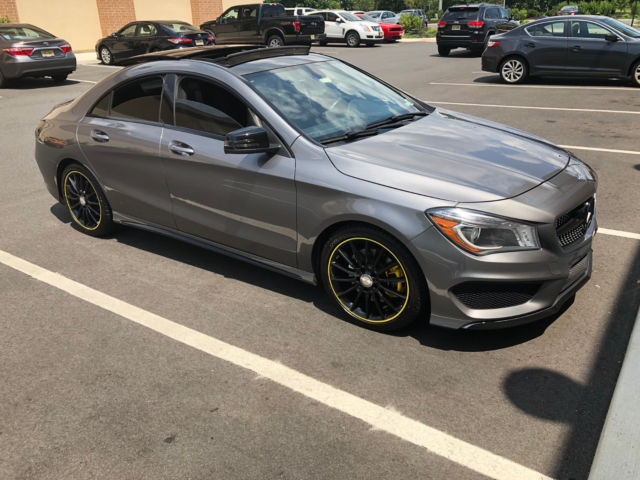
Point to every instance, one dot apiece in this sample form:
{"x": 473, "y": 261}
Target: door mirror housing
{"x": 114, "y": 35}
{"x": 611, "y": 38}
{"x": 249, "y": 140}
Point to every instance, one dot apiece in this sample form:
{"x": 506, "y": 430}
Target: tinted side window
{"x": 147, "y": 29}
{"x": 231, "y": 16}
{"x": 101, "y": 109}
{"x": 554, "y": 29}
{"x": 139, "y": 100}
{"x": 492, "y": 13}
{"x": 332, "y": 17}
{"x": 208, "y": 108}
{"x": 129, "y": 31}
{"x": 588, "y": 30}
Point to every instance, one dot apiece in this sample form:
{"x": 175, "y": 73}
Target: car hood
{"x": 452, "y": 157}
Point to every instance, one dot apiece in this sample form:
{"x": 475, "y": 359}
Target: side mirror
{"x": 114, "y": 35}
{"x": 249, "y": 140}
{"x": 611, "y": 38}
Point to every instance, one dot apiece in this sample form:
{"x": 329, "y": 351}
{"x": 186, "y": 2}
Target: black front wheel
{"x": 373, "y": 278}
{"x": 85, "y": 201}
{"x": 635, "y": 74}
{"x": 353, "y": 39}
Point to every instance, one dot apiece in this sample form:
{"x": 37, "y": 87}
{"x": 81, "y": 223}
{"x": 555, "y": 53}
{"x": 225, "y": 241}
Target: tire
{"x": 635, "y": 74}
{"x": 322, "y": 44}
{"x": 59, "y": 78}
{"x": 373, "y": 278}
{"x": 3, "y": 80}
{"x": 513, "y": 70}
{"x": 352, "y": 39}
{"x": 89, "y": 209}
{"x": 443, "y": 51}
{"x": 106, "y": 56}
{"x": 275, "y": 41}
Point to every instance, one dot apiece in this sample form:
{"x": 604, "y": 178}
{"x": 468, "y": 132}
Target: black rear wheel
{"x": 275, "y": 41}
{"x": 443, "y": 51}
{"x": 635, "y": 74}
{"x": 373, "y": 278}
{"x": 513, "y": 70}
{"x": 85, "y": 201}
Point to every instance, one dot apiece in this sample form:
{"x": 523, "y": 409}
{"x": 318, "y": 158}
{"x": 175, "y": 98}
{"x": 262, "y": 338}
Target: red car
{"x": 392, "y": 31}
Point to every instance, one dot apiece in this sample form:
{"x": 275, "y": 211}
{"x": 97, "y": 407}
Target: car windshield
{"x": 571, "y": 8}
{"x": 23, "y": 33}
{"x": 349, "y": 17}
{"x": 622, "y": 28}
{"x": 374, "y": 14}
{"x": 329, "y": 99}
{"x": 178, "y": 27}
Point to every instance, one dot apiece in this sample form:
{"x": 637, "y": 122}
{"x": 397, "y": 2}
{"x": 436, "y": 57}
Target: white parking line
{"x": 560, "y": 87}
{"x": 524, "y": 107}
{"x": 437, "y": 442}
{"x": 83, "y": 81}
{"x": 619, "y": 233}
{"x": 606, "y": 150}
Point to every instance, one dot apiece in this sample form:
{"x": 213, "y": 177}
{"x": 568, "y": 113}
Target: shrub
{"x": 5, "y": 20}
{"x": 531, "y": 13}
{"x": 411, "y": 24}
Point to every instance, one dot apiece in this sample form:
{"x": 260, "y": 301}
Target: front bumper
{"x": 502, "y": 289}
{"x": 24, "y": 66}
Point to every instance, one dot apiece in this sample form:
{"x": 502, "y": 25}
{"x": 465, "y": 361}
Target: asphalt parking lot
{"x": 116, "y": 387}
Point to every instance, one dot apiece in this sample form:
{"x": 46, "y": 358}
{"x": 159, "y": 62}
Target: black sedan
{"x": 28, "y": 51}
{"x": 576, "y": 46}
{"x": 141, "y": 37}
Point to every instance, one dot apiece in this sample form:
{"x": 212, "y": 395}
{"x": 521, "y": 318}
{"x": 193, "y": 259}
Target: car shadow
{"x": 29, "y": 83}
{"x": 458, "y": 53}
{"x": 219, "y": 264}
{"x": 556, "y": 81}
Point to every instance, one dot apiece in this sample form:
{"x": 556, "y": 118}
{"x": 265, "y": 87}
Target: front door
{"x": 332, "y": 27}
{"x": 124, "y": 44}
{"x": 243, "y": 201}
{"x": 590, "y": 51}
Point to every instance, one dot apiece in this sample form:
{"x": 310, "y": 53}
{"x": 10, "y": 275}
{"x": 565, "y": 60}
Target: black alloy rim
{"x": 82, "y": 200}
{"x": 368, "y": 280}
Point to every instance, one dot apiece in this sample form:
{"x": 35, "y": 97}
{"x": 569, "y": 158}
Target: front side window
{"x": 328, "y": 99}
{"x": 209, "y": 108}
{"x": 231, "y": 16}
{"x": 588, "y": 30}
{"x": 128, "y": 31}
{"x": 138, "y": 100}
{"x": 552, "y": 29}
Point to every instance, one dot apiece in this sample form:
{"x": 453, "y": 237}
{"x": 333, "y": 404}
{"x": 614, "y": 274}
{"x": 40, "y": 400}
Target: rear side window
{"x": 139, "y": 100}
{"x": 551, "y": 29}
{"x": 492, "y": 13}
{"x": 180, "y": 27}
{"x": 208, "y": 108}
{"x": 588, "y": 30}
{"x": 101, "y": 109}
{"x": 23, "y": 33}
{"x": 462, "y": 13}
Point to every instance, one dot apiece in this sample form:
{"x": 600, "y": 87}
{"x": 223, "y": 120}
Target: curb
{"x": 618, "y": 453}
{"x": 412, "y": 40}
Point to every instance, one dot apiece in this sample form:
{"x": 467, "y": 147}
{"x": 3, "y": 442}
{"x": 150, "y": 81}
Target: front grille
{"x": 483, "y": 296}
{"x": 572, "y": 226}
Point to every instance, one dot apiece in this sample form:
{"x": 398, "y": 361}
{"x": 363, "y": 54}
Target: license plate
{"x": 48, "y": 53}
{"x": 455, "y": 27}
{"x": 312, "y": 37}
{"x": 199, "y": 42}
{"x": 379, "y": 35}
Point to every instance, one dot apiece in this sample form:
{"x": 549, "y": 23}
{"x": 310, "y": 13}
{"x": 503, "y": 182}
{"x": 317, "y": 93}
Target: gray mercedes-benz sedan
{"x": 309, "y": 166}
{"x": 29, "y": 51}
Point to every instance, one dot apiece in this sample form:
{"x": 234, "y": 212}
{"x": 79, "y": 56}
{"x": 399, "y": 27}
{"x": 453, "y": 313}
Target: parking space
{"x": 90, "y": 393}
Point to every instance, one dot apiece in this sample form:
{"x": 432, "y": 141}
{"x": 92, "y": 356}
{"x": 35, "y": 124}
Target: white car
{"x": 299, "y": 11}
{"x": 342, "y": 26}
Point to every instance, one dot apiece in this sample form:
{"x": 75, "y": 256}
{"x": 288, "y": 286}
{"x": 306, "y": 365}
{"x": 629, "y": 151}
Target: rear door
{"x": 248, "y": 29}
{"x": 546, "y": 46}
{"x": 244, "y": 201}
{"x": 146, "y": 35}
{"x": 590, "y": 52}
{"x": 120, "y": 139}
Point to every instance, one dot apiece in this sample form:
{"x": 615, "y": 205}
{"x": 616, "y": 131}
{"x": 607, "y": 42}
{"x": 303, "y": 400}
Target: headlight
{"x": 365, "y": 28}
{"x": 480, "y": 233}
{"x": 581, "y": 170}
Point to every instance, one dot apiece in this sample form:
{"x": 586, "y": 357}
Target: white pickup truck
{"x": 341, "y": 26}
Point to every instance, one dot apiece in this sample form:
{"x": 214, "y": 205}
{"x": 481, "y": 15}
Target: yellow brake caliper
{"x": 395, "y": 272}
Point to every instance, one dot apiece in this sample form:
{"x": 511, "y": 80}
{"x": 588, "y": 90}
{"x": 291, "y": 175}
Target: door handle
{"x": 99, "y": 136}
{"x": 576, "y": 48}
{"x": 530, "y": 44}
{"x": 181, "y": 149}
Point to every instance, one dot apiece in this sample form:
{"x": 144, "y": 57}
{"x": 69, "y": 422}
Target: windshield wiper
{"x": 350, "y": 135}
{"x": 397, "y": 118}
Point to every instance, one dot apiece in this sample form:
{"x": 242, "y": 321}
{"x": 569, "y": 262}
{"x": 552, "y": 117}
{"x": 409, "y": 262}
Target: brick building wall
{"x": 205, "y": 10}
{"x": 8, "y": 9}
{"x": 114, "y": 14}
